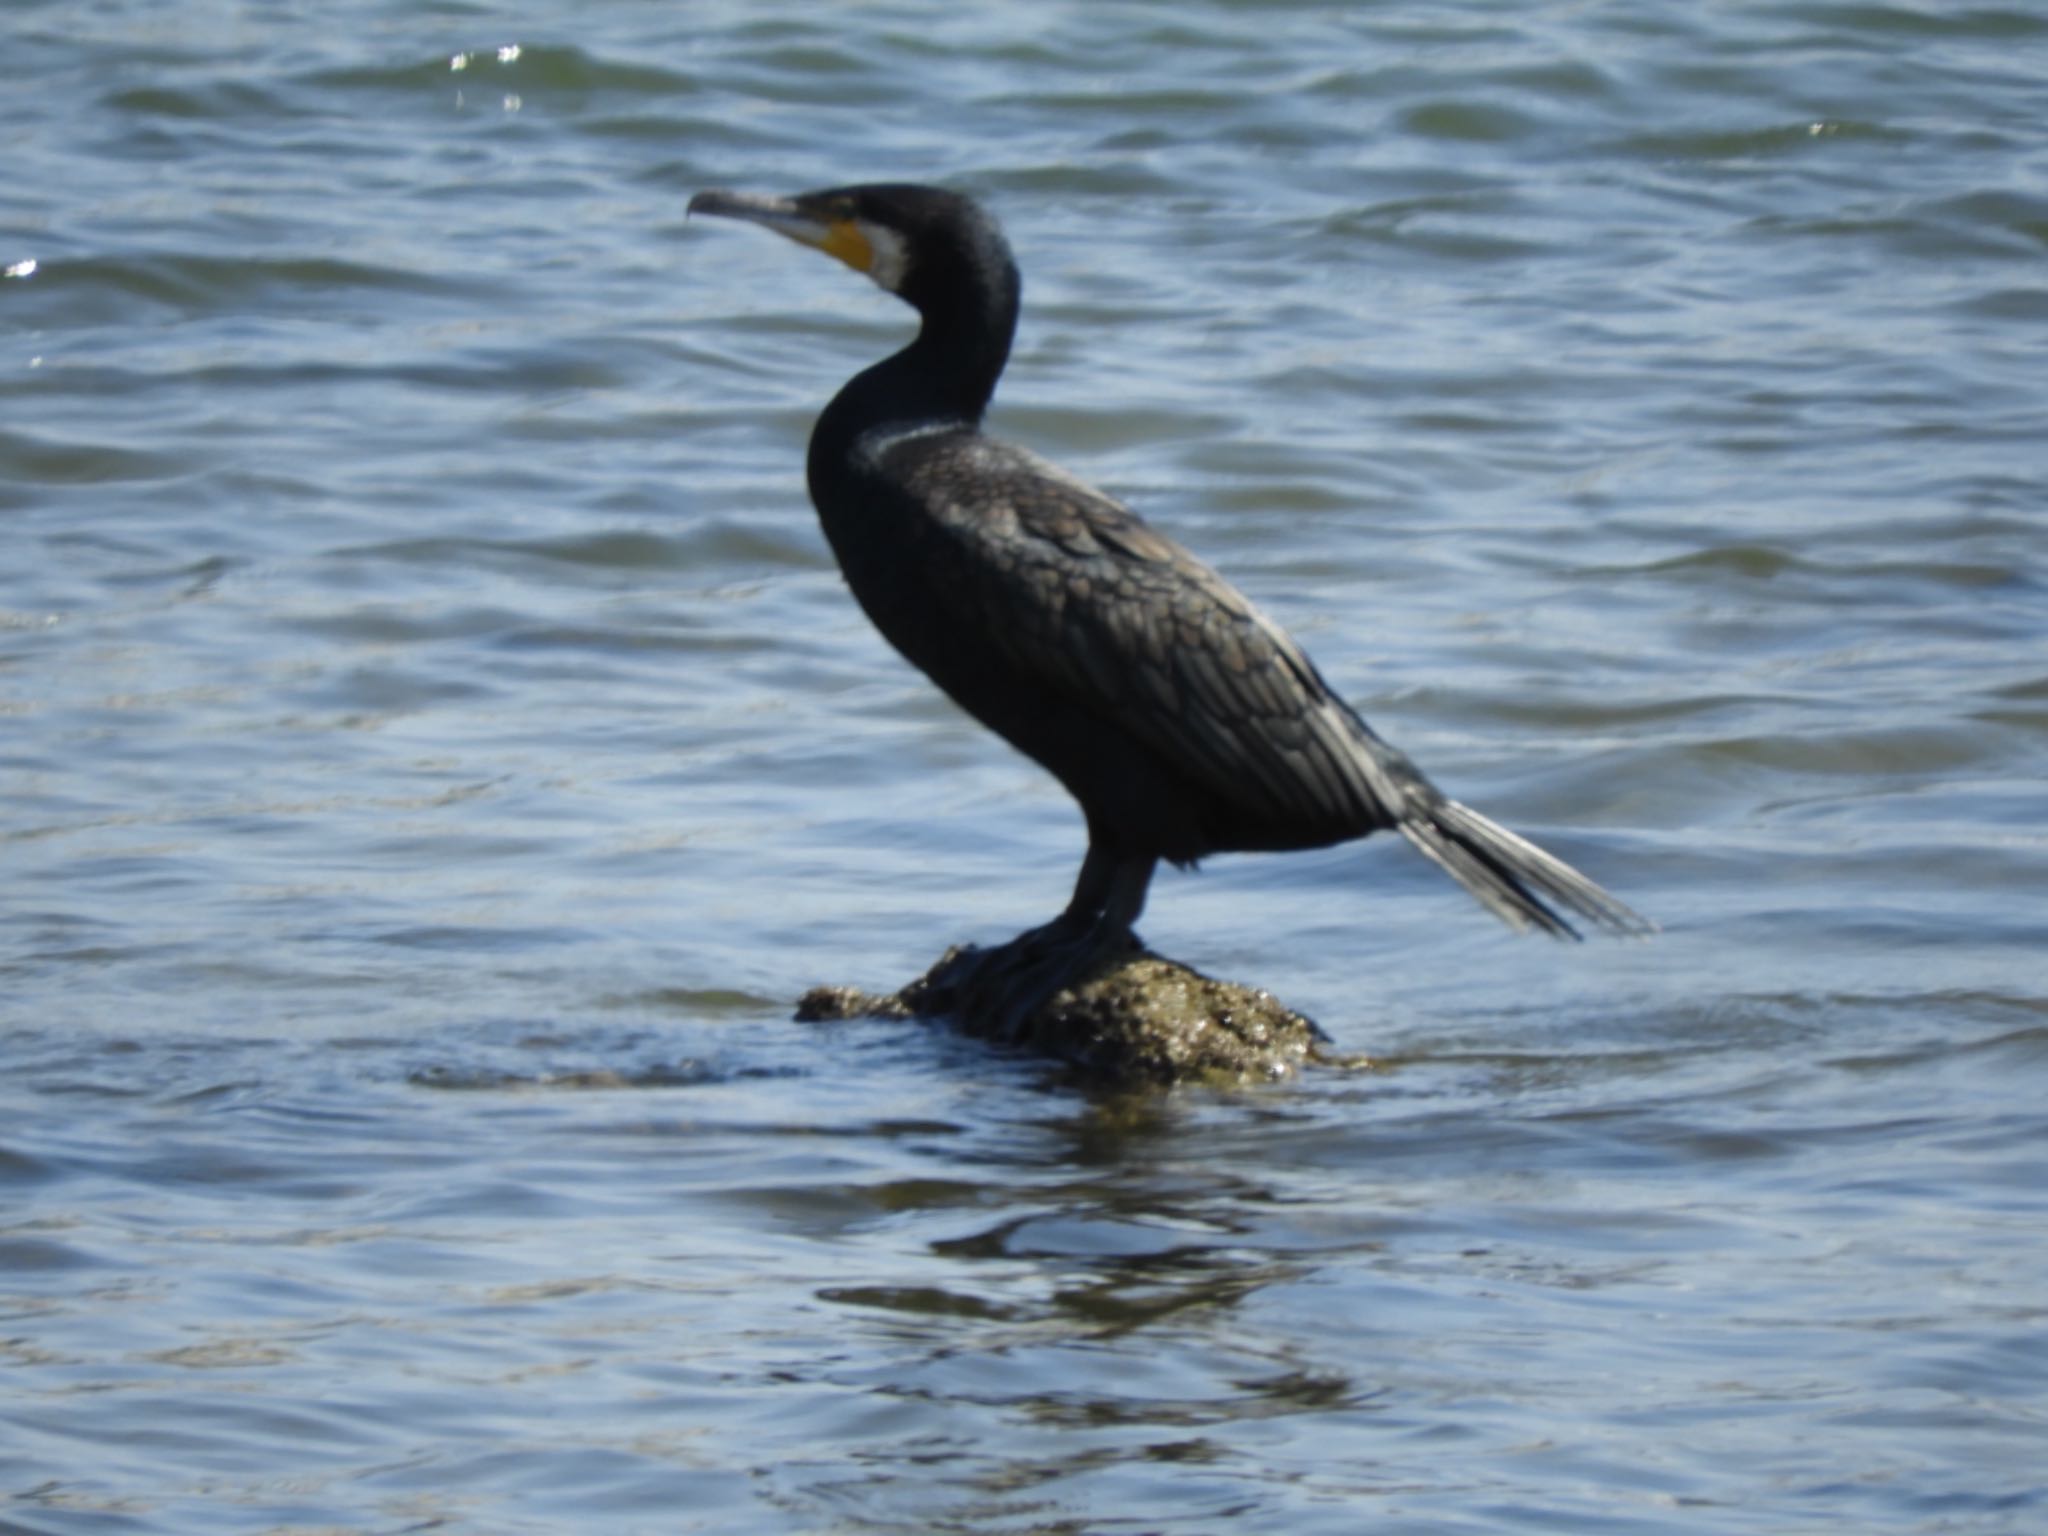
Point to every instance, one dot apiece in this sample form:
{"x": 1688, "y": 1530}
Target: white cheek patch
{"x": 891, "y": 259}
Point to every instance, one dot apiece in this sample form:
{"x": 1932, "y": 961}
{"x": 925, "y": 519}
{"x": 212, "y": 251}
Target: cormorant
{"x": 1183, "y": 720}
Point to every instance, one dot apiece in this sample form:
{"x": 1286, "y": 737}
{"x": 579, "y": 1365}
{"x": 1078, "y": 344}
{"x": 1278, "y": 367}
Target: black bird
{"x": 1183, "y": 720}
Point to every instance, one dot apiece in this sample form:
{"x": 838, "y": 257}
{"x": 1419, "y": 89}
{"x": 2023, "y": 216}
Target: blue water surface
{"x": 436, "y": 749}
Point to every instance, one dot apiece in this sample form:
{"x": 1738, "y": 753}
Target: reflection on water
{"x": 437, "y": 747}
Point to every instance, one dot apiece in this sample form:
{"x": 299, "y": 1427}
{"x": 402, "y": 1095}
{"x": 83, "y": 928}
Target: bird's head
{"x": 926, "y": 245}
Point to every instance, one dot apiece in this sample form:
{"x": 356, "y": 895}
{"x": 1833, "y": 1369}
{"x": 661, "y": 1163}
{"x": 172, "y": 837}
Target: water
{"x": 436, "y": 750}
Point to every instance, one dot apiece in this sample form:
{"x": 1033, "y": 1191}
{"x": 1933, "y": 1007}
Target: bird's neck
{"x": 946, "y": 375}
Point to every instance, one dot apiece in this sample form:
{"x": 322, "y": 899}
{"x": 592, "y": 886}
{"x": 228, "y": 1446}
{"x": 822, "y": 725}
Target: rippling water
{"x": 436, "y": 749}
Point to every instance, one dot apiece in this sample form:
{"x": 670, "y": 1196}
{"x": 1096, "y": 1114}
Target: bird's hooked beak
{"x": 837, "y": 235}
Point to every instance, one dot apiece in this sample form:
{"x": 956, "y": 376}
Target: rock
{"x": 1138, "y": 1020}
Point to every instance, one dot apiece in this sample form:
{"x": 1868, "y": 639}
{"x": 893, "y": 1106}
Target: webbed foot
{"x": 1005, "y": 988}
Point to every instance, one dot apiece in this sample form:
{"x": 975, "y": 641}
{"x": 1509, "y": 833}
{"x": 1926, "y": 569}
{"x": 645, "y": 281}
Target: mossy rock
{"x": 1137, "y": 1020}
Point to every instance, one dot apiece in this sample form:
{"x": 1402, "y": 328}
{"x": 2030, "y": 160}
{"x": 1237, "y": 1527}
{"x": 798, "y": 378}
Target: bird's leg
{"x": 1090, "y": 900}
{"x": 1017, "y": 980}
{"x": 1129, "y": 881}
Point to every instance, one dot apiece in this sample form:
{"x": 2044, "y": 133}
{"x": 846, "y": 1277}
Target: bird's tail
{"x": 1514, "y": 879}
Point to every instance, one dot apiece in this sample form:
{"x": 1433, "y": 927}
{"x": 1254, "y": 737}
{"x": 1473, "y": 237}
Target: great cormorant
{"x": 1183, "y": 720}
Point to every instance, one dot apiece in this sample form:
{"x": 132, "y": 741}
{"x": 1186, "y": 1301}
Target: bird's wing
{"x": 1082, "y": 599}
{"x": 1123, "y": 623}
